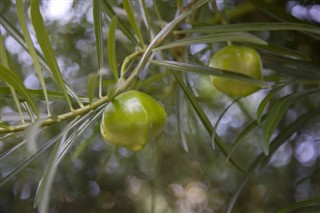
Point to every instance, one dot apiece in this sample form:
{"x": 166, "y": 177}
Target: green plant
{"x": 131, "y": 119}
{"x": 217, "y": 153}
{"x": 237, "y": 59}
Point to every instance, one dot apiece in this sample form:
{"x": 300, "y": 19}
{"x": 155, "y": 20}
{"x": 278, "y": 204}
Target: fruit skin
{"x": 131, "y": 119}
{"x": 238, "y": 59}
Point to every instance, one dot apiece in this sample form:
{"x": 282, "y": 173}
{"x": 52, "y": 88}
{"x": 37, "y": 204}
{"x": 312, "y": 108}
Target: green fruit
{"x": 238, "y": 59}
{"x": 131, "y": 119}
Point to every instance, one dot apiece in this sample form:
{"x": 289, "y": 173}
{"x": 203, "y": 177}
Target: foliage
{"x": 217, "y": 153}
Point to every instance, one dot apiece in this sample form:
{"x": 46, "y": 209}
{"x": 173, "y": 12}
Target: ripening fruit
{"x": 238, "y": 59}
{"x": 131, "y": 119}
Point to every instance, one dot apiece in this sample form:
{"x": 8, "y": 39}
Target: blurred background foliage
{"x": 180, "y": 171}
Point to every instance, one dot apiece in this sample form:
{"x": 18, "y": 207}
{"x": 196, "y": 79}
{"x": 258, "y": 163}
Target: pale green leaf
{"x": 260, "y": 26}
{"x": 97, "y": 21}
{"x": 112, "y": 47}
{"x": 220, "y": 37}
{"x": 91, "y": 86}
{"x": 128, "y": 7}
{"x": 108, "y": 9}
{"x": 19, "y": 38}
{"x": 32, "y": 50}
{"x": 46, "y": 47}
{"x": 12, "y": 79}
{"x": 185, "y": 67}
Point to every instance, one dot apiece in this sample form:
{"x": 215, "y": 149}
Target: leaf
{"x": 5, "y": 126}
{"x": 222, "y": 37}
{"x": 58, "y": 153}
{"x": 260, "y": 26}
{"x": 31, "y": 134}
{"x": 112, "y": 47}
{"x": 262, "y": 159}
{"x": 276, "y": 113}
{"x": 312, "y": 202}
{"x": 12, "y": 79}
{"x": 185, "y": 67}
{"x": 47, "y": 50}
{"x": 180, "y": 120}
{"x": 31, "y": 49}
{"x": 266, "y": 100}
{"x": 108, "y": 9}
{"x": 243, "y": 134}
{"x": 19, "y": 38}
{"x": 98, "y": 30}
{"x": 204, "y": 119}
{"x": 281, "y": 51}
{"x": 128, "y": 7}
{"x": 91, "y": 86}
{"x": 26, "y": 162}
{"x": 218, "y": 122}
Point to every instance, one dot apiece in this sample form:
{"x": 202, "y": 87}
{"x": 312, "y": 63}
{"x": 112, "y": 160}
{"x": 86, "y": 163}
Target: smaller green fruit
{"x": 238, "y": 59}
{"x": 131, "y": 119}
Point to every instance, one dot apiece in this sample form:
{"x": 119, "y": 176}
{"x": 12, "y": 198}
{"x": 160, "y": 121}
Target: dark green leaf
{"x": 221, "y": 37}
{"x": 312, "y": 202}
{"x": 46, "y": 47}
{"x": 12, "y": 79}
{"x": 276, "y": 113}
{"x": 32, "y": 50}
{"x": 98, "y": 31}
{"x": 260, "y": 26}
{"x": 112, "y": 47}
{"x": 128, "y": 7}
{"x": 185, "y": 67}
{"x": 91, "y": 86}
{"x": 266, "y": 100}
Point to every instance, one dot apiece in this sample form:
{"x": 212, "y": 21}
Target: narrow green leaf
{"x": 91, "y": 86}
{"x": 4, "y": 125}
{"x": 146, "y": 17}
{"x": 241, "y": 136}
{"x": 218, "y": 122}
{"x": 112, "y": 47}
{"x": 12, "y": 79}
{"x": 276, "y": 113}
{"x": 312, "y": 202}
{"x": 81, "y": 147}
{"x": 58, "y": 153}
{"x": 32, "y": 51}
{"x": 266, "y": 100}
{"x": 204, "y": 119}
{"x": 98, "y": 30}
{"x": 260, "y": 26}
{"x": 262, "y": 159}
{"x": 5, "y": 61}
{"x": 44, "y": 187}
{"x": 26, "y": 162}
{"x": 19, "y": 38}
{"x": 128, "y": 7}
{"x": 185, "y": 67}
{"x": 108, "y": 9}
{"x": 46, "y": 47}
{"x": 292, "y": 68}
{"x": 221, "y": 37}
{"x": 180, "y": 120}
{"x": 31, "y": 134}
{"x": 281, "y": 51}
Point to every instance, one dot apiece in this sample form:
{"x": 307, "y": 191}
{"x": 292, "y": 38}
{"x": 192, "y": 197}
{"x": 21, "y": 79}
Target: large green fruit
{"x": 238, "y": 59}
{"x": 131, "y": 119}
